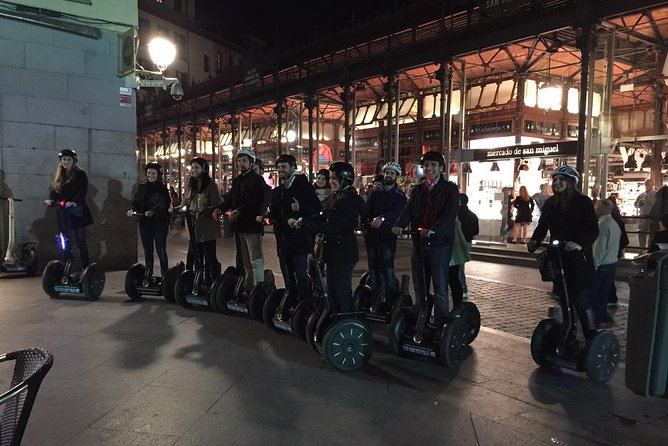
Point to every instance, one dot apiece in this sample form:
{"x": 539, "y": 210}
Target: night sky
{"x": 288, "y": 22}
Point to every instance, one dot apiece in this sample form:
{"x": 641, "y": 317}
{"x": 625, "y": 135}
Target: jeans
{"x": 604, "y": 277}
{"x": 382, "y": 268}
{"x": 435, "y": 267}
{"x": 340, "y": 286}
{"x": 79, "y": 236}
{"x": 295, "y": 275}
{"x": 207, "y": 252}
{"x": 454, "y": 274}
{"x": 149, "y": 233}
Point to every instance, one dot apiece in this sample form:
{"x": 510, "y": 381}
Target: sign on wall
{"x": 548, "y": 149}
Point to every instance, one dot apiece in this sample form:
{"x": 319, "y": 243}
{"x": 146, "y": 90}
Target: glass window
{"x": 530, "y": 93}
{"x": 206, "y": 64}
{"x": 506, "y": 90}
{"x": 474, "y": 96}
{"x": 382, "y": 111}
{"x": 406, "y": 107}
{"x": 428, "y": 106}
{"x": 488, "y": 94}
{"x": 368, "y": 119}
{"x": 181, "y": 46}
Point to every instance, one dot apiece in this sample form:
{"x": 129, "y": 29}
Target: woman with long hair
{"x": 524, "y": 205}
{"x": 69, "y": 187}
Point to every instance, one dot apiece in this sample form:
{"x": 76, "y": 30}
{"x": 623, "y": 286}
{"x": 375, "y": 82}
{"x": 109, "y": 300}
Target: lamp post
{"x": 162, "y": 53}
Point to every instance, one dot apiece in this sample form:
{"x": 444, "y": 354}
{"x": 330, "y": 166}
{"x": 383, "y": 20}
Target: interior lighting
{"x": 291, "y": 135}
{"x": 631, "y": 164}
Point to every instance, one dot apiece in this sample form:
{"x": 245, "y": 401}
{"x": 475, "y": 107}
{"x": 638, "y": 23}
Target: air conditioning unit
{"x": 127, "y": 52}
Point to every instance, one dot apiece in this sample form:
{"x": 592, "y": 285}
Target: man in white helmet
{"x": 380, "y": 212}
{"x": 244, "y": 201}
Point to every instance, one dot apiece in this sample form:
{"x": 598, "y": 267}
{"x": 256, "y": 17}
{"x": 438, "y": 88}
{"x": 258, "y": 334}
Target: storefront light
{"x": 549, "y": 96}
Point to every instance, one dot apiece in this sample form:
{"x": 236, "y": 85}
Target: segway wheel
{"x": 403, "y": 300}
{"x": 230, "y": 271}
{"x": 30, "y": 260}
{"x": 169, "y": 281}
{"x": 362, "y": 297}
{"x": 183, "y": 287}
{"x": 301, "y": 316}
{"x": 602, "y": 356}
{"x": 258, "y": 297}
{"x": 224, "y": 293}
{"x": 397, "y": 330}
{"x": 269, "y": 308}
{"x": 51, "y": 275}
{"x": 93, "y": 282}
{"x": 348, "y": 345}
{"x": 365, "y": 279}
{"x": 454, "y": 342}
{"x": 544, "y": 340}
{"x": 133, "y": 278}
{"x": 311, "y": 327}
{"x": 471, "y": 315}
{"x": 213, "y": 291}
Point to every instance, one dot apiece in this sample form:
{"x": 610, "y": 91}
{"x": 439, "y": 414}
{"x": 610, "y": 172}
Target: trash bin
{"x": 647, "y": 329}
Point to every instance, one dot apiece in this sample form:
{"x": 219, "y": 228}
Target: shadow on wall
{"x": 5, "y": 191}
{"x": 114, "y": 235}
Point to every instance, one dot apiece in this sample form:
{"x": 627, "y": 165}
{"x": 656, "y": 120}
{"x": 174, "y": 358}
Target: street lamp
{"x": 162, "y": 53}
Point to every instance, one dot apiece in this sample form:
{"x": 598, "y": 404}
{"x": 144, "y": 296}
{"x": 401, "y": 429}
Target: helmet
{"x": 324, "y": 172}
{"x": 432, "y": 155}
{"x": 287, "y": 158}
{"x": 391, "y": 165}
{"x": 568, "y": 171}
{"x": 344, "y": 172}
{"x": 68, "y": 152}
{"x": 247, "y": 151}
{"x": 204, "y": 164}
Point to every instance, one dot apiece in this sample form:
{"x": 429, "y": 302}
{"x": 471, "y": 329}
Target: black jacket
{"x": 338, "y": 223}
{"x": 74, "y": 190}
{"x": 386, "y": 204}
{"x": 246, "y": 196}
{"x": 152, "y": 197}
{"x": 293, "y": 241}
{"x": 469, "y": 222}
{"x": 445, "y": 203}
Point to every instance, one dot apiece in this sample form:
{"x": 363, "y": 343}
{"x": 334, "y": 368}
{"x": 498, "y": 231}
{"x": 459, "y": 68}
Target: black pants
{"x": 340, "y": 286}
{"x": 295, "y": 274}
{"x": 79, "y": 236}
{"x": 207, "y": 252}
{"x": 154, "y": 232}
{"x": 456, "y": 288}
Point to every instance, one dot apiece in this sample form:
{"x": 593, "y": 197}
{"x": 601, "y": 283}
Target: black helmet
{"x": 287, "y": 158}
{"x": 432, "y": 155}
{"x": 204, "y": 164}
{"x": 68, "y": 152}
{"x": 324, "y": 172}
{"x": 344, "y": 172}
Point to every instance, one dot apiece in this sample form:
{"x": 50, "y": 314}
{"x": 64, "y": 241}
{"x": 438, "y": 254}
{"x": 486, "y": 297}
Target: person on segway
{"x": 432, "y": 210}
{"x": 571, "y": 219}
{"x": 245, "y": 200}
{"x": 70, "y": 186}
{"x": 378, "y": 216}
{"x": 151, "y": 202}
{"x": 338, "y": 222}
{"x": 200, "y": 198}
{"x": 293, "y": 198}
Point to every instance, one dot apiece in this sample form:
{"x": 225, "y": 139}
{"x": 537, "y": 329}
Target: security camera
{"x": 176, "y": 91}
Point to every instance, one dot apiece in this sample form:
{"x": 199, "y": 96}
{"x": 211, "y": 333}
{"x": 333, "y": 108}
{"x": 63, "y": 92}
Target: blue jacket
{"x": 386, "y": 204}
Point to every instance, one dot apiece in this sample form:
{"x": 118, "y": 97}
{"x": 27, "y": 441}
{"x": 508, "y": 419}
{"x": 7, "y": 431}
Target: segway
{"x": 58, "y": 278}
{"x": 550, "y": 346}
{"x": 371, "y": 297}
{"x": 410, "y": 334}
{"x": 194, "y": 289}
{"x": 140, "y": 281}
{"x": 230, "y": 297}
{"x": 345, "y": 339}
{"x": 23, "y": 260}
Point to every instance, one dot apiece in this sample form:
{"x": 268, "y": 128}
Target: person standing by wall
{"x": 606, "y": 249}
{"x": 70, "y": 186}
{"x": 644, "y": 204}
{"x": 470, "y": 228}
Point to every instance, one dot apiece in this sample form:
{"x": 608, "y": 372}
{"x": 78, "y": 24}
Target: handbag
{"x": 547, "y": 273}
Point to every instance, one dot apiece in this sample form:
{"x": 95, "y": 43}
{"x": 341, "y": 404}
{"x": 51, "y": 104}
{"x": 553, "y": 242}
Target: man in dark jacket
{"x": 380, "y": 212}
{"x": 293, "y": 198}
{"x": 432, "y": 210}
{"x": 244, "y": 200}
{"x": 470, "y": 228}
{"x": 337, "y": 222}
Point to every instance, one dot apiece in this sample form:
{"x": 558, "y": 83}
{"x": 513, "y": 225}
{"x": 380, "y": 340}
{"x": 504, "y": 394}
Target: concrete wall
{"x": 60, "y": 90}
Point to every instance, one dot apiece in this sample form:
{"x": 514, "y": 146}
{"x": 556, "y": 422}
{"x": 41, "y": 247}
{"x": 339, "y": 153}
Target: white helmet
{"x": 247, "y": 151}
{"x": 391, "y": 165}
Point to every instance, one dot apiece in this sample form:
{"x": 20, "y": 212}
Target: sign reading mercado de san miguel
{"x": 547, "y": 149}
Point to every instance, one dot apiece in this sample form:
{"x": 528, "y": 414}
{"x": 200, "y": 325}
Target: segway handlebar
{"x": 10, "y": 198}
{"x": 60, "y": 204}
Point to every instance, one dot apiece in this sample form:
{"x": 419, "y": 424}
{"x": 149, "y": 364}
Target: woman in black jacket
{"x": 571, "y": 219}
{"x": 69, "y": 187}
{"x": 337, "y": 223}
{"x": 152, "y": 202}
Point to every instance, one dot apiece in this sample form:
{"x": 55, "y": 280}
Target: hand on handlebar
{"x": 396, "y": 230}
{"x": 377, "y": 222}
{"x": 216, "y": 214}
{"x": 572, "y": 246}
{"x": 129, "y": 212}
{"x": 48, "y": 202}
{"x": 149, "y": 214}
{"x": 70, "y": 204}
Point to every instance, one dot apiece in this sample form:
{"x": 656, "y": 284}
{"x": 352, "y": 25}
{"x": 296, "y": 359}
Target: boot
{"x": 588, "y": 322}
